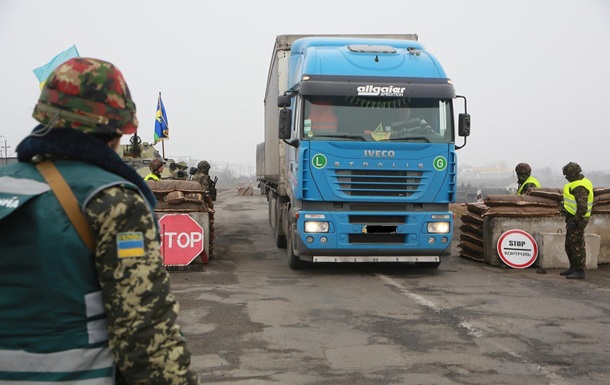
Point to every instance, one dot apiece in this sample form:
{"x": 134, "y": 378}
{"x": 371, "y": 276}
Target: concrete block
{"x": 600, "y": 224}
{"x": 493, "y": 228}
{"x": 552, "y": 254}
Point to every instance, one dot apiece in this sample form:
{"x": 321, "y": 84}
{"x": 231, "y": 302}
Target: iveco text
{"x": 379, "y": 153}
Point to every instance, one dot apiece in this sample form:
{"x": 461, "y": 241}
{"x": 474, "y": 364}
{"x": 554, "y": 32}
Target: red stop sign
{"x": 181, "y": 239}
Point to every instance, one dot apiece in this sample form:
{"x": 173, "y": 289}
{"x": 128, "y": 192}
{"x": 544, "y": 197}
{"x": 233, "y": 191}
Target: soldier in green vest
{"x": 156, "y": 168}
{"x": 525, "y": 180}
{"x": 85, "y": 296}
{"x": 577, "y": 207}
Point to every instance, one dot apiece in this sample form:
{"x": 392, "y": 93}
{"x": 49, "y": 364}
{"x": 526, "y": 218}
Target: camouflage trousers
{"x": 575, "y": 245}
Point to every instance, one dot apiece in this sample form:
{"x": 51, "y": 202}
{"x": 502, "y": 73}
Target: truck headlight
{"x": 438, "y": 227}
{"x": 316, "y": 227}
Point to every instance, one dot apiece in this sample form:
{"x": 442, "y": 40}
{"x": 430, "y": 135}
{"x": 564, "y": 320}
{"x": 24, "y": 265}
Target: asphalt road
{"x": 250, "y": 319}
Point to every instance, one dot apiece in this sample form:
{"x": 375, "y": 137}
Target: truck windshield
{"x": 377, "y": 119}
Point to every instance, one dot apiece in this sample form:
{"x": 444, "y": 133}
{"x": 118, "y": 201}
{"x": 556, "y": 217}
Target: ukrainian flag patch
{"x": 130, "y": 244}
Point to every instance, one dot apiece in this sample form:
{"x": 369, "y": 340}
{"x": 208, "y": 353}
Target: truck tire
{"x": 294, "y": 262}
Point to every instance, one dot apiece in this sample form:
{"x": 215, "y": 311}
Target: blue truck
{"x": 358, "y": 162}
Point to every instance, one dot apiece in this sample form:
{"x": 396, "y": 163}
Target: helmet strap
{"x": 46, "y": 128}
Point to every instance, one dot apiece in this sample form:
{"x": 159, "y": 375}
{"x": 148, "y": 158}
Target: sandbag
{"x": 601, "y": 191}
{"x": 518, "y": 200}
{"x": 471, "y": 229}
{"x": 473, "y": 247}
{"x": 472, "y": 218}
{"x": 553, "y": 194}
{"x": 603, "y": 208}
{"x": 167, "y": 185}
{"x": 182, "y": 207}
{"x": 472, "y": 255}
{"x": 521, "y": 211}
{"x": 477, "y": 207}
{"x": 601, "y": 199}
{"x": 472, "y": 238}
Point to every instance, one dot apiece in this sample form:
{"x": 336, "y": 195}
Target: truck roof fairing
{"x": 362, "y": 57}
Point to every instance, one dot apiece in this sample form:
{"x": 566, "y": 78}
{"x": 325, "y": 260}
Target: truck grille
{"x": 388, "y": 183}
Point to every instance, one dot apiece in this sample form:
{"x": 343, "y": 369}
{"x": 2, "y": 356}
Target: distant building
{"x": 486, "y": 172}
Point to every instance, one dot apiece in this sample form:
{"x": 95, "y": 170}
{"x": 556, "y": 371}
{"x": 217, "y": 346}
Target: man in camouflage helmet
{"x": 577, "y": 207}
{"x": 91, "y": 308}
{"x": 156, "y": 168}
{"x": 525, "y": 180}
{"x": 203, "y": 177}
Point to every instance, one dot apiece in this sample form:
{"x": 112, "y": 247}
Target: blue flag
{"x": 43, "y": 72}
{"x": 161, "y": 126}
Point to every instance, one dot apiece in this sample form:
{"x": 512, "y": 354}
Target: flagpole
{"x": 163, "y": 148}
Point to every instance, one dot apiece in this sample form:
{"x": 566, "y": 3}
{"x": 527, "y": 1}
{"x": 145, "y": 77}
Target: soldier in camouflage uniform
{"x": 202, "y": 176}
{"x": 577, "y": 207}
{"x": 68, "y": 312}
{"x": 525, "y": 180}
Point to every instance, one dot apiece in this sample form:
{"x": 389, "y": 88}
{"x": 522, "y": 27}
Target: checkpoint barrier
{"x": 184, "y": 211}
{"x": 538, "y": 214}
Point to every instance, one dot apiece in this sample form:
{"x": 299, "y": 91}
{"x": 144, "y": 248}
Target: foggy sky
{"x": 535, "y": 72}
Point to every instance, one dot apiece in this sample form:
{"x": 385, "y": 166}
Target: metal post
{"x": 4, "y": 150}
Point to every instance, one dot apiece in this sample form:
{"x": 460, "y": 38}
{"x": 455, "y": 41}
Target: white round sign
{"x": 517, "y": 249}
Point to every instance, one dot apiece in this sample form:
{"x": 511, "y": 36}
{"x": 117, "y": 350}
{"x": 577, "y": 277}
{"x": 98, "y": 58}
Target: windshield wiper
{"x": 406, "y": 138}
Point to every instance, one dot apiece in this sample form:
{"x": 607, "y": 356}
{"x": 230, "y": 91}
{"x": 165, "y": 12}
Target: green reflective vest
{"x": 152, "y": 176}
{"x": 529, "y": 180}
{"x": 569, "y": 201}
{"x": 53, "y": 325}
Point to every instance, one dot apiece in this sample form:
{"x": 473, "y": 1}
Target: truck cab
{"x": 368, "y": 166}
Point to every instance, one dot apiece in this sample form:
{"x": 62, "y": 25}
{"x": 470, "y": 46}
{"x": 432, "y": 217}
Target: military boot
{"x": 576, "y": 274}
{"x": 567, "y": 272}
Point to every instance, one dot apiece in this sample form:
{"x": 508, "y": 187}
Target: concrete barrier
{"x": 552, "y": 254}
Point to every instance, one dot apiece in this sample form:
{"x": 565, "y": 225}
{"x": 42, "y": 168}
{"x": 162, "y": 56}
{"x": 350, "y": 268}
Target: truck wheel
{"x": 428, "y": 265}
{"x": 294, "y": 261}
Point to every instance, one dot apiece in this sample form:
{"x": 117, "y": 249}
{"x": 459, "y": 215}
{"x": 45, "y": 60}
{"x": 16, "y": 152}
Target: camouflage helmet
{"x": 203, "y": 165}
{"x": 523, "y": 168}
{"x": 155, "y": 164}
{"x": 88, "y": 95}
{"x": 571, "y": 169}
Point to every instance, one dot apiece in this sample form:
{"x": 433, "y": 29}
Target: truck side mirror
{"x": 283, "y": 101}
{"x": 464, "y": 125}
{"x": 285, "y": 124}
